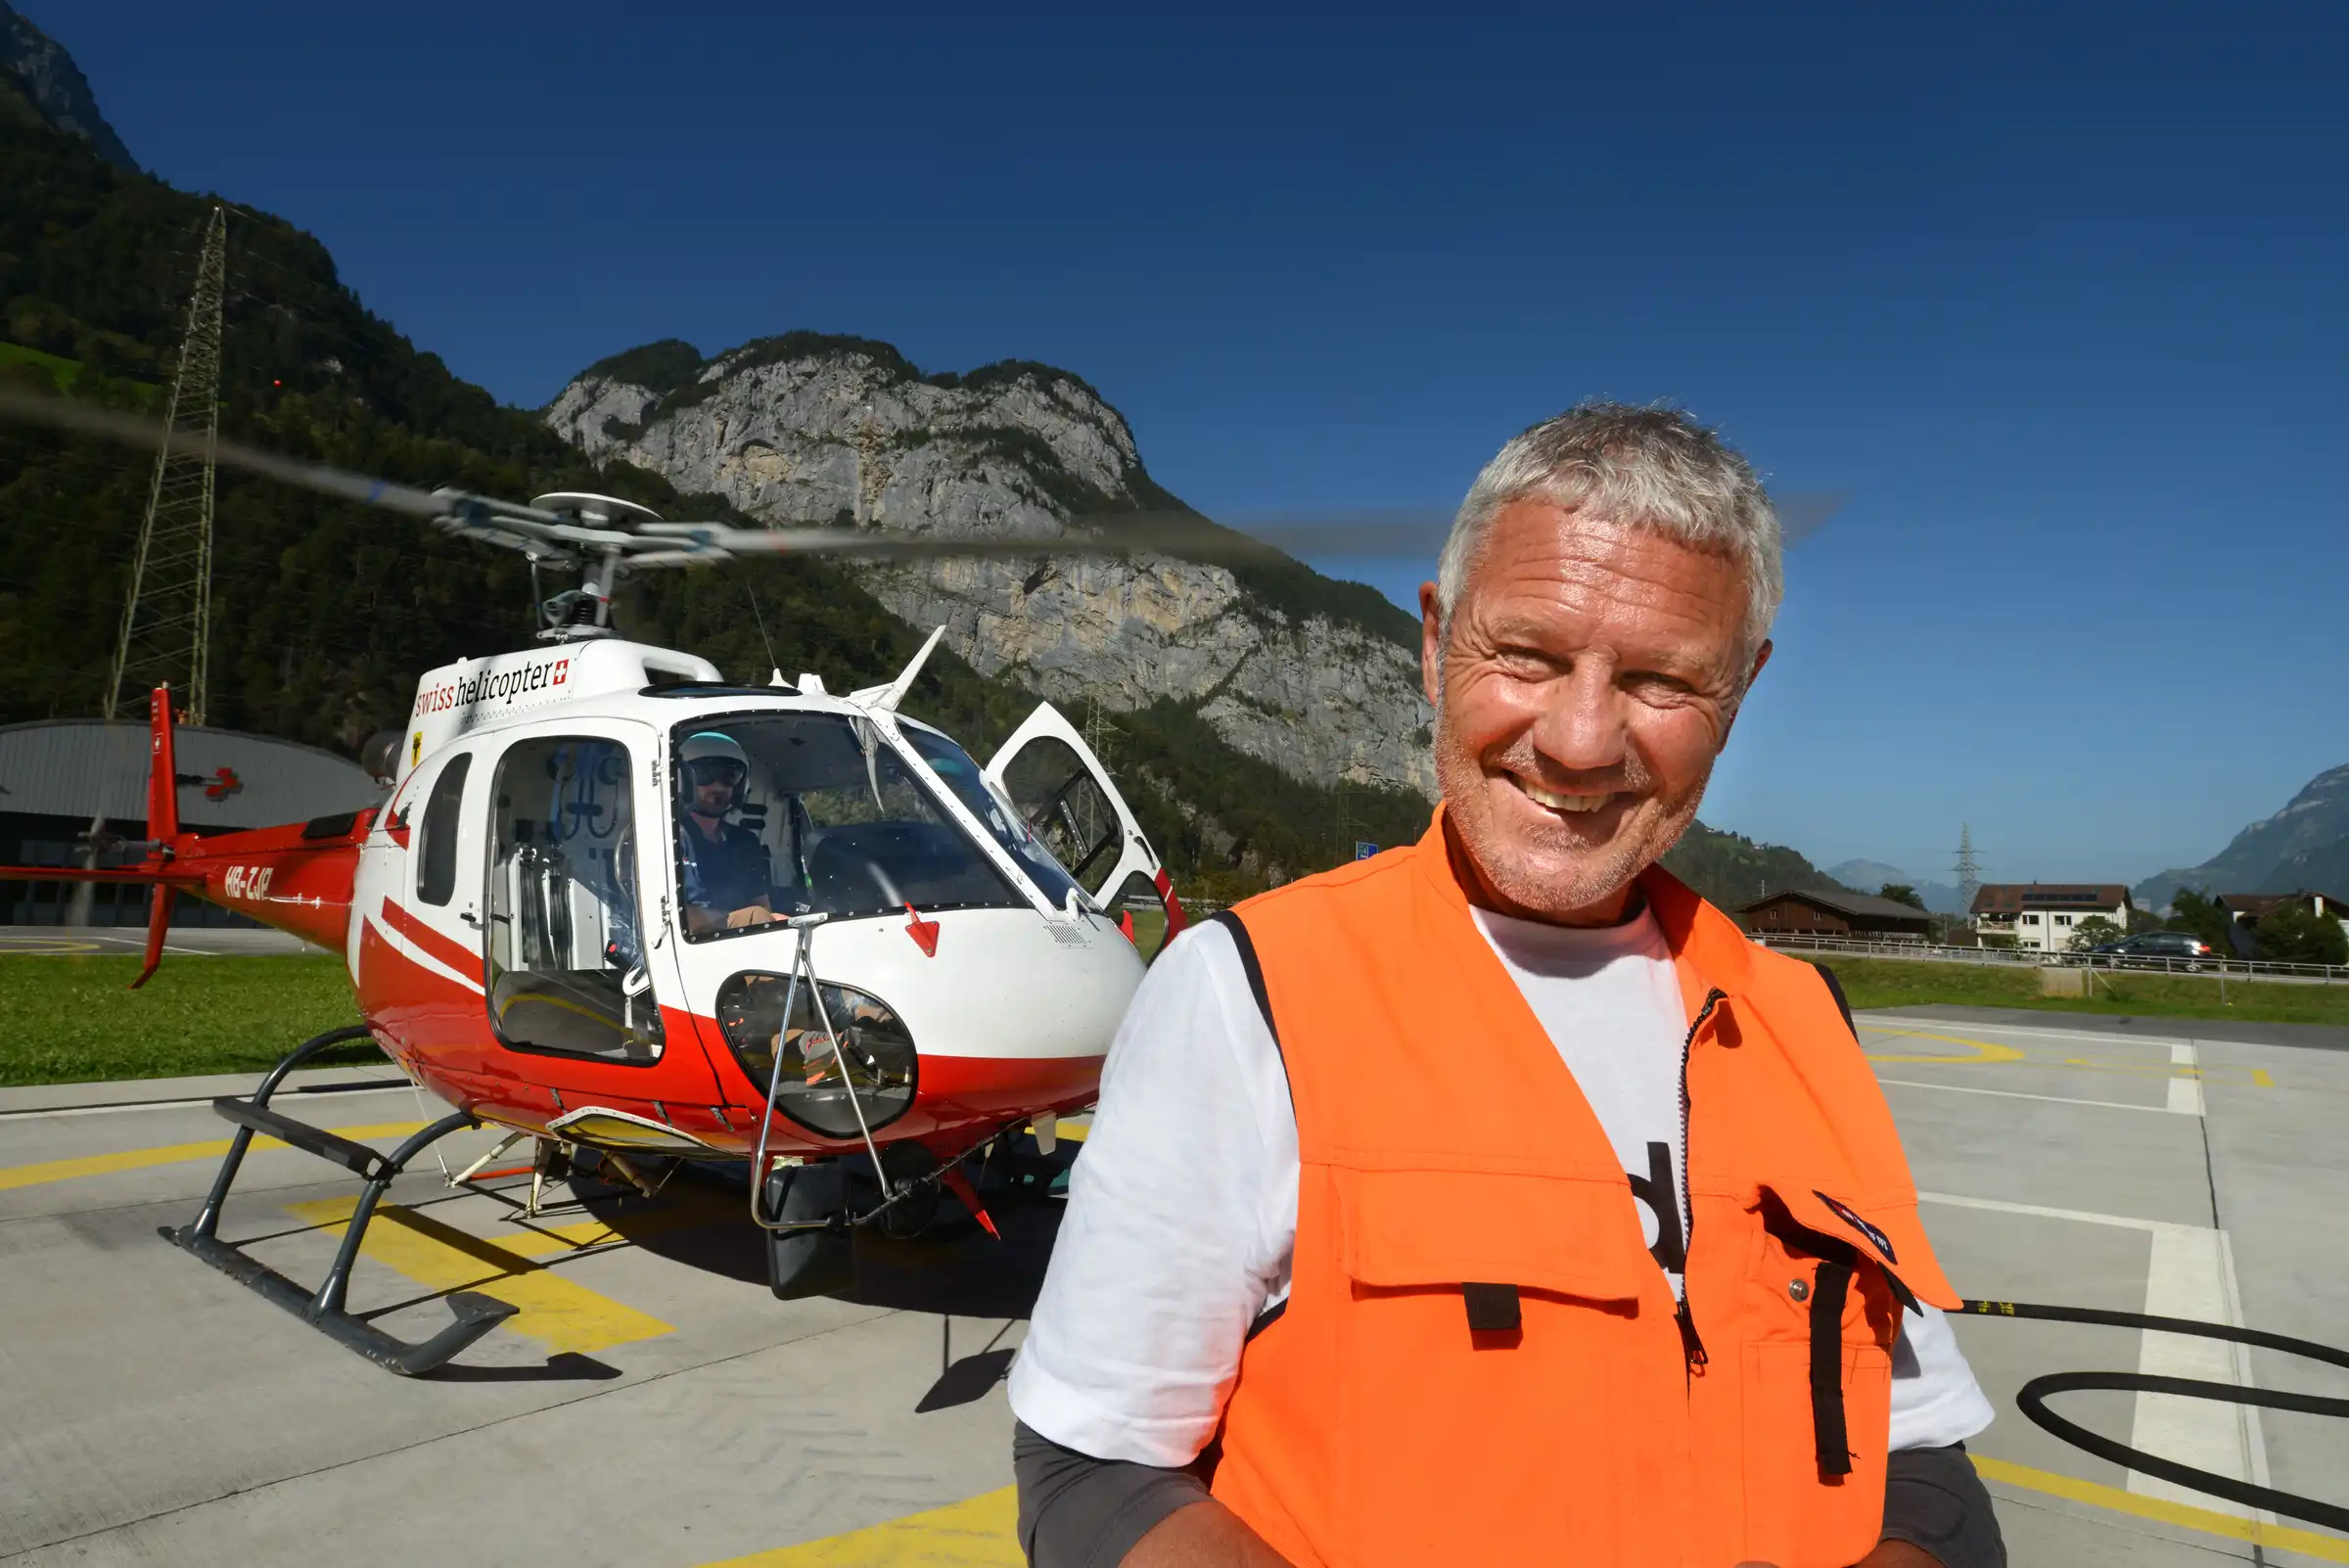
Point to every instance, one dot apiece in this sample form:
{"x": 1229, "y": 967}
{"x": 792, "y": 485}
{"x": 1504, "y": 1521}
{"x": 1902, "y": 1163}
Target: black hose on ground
{"x": 2032, "y": 1399}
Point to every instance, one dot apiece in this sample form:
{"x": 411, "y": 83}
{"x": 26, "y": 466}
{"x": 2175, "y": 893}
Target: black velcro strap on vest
{"x": 1833, "y": 1439}
{"x": 1230, "y": 921}
{"x": 1492, "y": 1309}
{"x": 1836, "y": 989}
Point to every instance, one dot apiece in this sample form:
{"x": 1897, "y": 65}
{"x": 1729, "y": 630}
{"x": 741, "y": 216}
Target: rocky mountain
{"x": 2306, "y": 845}
{"x": 1867, "y": 876}
{"x": 36, "y": 74}
{"x": 1317, "y": 678}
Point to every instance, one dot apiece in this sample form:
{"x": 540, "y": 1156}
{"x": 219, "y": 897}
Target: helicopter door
{"x": 568, "y": 968}
{"x": 1052, "y": 777}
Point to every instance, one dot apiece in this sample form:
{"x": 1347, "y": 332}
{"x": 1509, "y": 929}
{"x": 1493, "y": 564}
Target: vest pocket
{"x": 1444, "y": 1228}
{"x": 1797, "y": 1515}
{"x": 1507, "y": 1371}
{"x": 1816, "y": 1401}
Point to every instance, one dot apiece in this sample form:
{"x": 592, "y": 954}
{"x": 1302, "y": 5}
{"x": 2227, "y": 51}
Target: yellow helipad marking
{"x": 1983, "y": 1050}
{"x": 559, "y": 1313}
{"x": 46, "y": 944}
{"x": 980, "y": 1532}
{"x": 2285, "y": 1538}
{"x": 90, "y": 1164}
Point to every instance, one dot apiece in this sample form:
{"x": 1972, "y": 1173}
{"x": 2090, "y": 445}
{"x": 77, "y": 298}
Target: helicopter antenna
{"x": 773, "y": 664}
{"x": 886, "y": 697}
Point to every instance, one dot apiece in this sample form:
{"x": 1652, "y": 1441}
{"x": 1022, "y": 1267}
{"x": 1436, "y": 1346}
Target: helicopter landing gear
{"x": 475, "y": 1315}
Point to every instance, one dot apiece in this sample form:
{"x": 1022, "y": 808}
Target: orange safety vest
{"x": 1479, "y": 1361}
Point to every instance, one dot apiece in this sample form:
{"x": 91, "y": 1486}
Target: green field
{"x": 1149, "y": 931}
{"x": 1903, "y": 983}
{"x": 72, "y": 1020}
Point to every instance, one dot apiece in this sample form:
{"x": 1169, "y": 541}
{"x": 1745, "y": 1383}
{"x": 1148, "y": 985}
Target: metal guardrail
{"x": 2212, "y": 968}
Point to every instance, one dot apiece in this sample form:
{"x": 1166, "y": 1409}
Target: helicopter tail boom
{"x": 295, "y": 877}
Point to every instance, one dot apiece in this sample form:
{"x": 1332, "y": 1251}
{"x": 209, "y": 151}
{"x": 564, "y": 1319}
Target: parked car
{"x": 2152, "y": 950}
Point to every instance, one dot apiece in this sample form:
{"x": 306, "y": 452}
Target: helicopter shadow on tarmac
{"x": 954, "y": 1269}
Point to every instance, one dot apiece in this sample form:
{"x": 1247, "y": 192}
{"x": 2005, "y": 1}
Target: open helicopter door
{"x": 1053, "y": 779}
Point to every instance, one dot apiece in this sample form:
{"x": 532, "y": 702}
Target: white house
{"x": 2043, "y": 916}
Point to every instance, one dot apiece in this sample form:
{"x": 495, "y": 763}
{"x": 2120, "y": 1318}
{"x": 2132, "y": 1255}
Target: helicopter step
{"x": 473, "y": 1315}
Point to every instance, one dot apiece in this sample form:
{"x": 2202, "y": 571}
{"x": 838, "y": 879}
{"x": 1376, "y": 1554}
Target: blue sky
{"x": 2057, "y": 295}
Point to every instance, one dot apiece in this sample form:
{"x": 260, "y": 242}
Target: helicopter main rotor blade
{"x": 458, "y": 511}
{"x": 1364, "y": 533}
{"x": 151, "y": 434}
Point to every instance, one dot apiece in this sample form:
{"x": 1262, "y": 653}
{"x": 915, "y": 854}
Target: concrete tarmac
{"x": 131, "y": 941}
{"x": 652, "y": 1402}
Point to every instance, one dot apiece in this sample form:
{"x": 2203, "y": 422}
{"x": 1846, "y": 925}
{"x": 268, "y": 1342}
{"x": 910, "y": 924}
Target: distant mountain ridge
{"x": 36, "y": 69}
{"x": 1867, "y": 876}
{"x": 2306, "y": 845}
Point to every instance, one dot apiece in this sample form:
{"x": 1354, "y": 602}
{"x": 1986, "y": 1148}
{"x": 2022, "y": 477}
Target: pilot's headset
{"x": 708, "y": 753}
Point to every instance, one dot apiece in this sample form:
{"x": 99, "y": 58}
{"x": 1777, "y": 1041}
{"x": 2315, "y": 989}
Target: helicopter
{"x": 622, "y": 910}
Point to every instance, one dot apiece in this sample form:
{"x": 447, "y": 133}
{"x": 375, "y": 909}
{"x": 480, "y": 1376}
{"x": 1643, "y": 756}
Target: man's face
{"x": 1591, "y": 679}
{"x": 713, "y": 790}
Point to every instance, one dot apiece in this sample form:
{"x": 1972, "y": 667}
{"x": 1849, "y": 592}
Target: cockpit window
{"x": 782, "y": 813}
{"x": 955, "y": 770}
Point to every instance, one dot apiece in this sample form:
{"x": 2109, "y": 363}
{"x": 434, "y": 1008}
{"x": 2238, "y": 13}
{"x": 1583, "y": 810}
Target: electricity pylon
{"x": 1968, "y": 868}
{"x": 1099, "y": 732}
{"x": 168, "y": 618}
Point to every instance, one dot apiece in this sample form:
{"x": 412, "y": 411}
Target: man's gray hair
{"x": 1650, "y": 468}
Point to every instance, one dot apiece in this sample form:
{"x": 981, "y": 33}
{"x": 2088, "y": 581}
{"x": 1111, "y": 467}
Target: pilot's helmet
{"x": 709, "y": 755}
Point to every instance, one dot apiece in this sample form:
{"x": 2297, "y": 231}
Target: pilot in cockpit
{"x": 723, "y": 865}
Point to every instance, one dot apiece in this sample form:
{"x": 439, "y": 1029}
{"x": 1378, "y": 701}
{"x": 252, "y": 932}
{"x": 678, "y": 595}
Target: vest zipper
{"x": 1693, "y": 1346}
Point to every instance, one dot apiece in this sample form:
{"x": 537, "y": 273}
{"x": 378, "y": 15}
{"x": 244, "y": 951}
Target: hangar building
{"x": 57, "y": 774}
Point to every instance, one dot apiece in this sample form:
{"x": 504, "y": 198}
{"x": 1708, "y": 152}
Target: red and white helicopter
{"x": 616, "y": 903}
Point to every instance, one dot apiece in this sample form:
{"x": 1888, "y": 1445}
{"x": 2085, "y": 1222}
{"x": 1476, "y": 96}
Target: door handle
{"x": 470, "y": 918}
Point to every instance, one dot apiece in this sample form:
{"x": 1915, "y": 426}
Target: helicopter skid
{"x": 473, "y": 1314}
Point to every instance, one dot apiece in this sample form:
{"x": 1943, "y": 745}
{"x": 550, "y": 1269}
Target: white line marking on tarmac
{"x": 2185, "y": 1093}
{"x": 2042, "y": 1212}
{"x": 2255, "y": 1440}
{"x": 1894, "y": 1023}
{"x": 2186, "y": 1277}
{"x": 2052, "y": 1099}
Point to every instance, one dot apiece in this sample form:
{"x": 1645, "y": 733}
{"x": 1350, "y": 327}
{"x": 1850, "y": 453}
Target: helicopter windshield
{"x": 958, "y": 772}
{"x": 783, "y": 814}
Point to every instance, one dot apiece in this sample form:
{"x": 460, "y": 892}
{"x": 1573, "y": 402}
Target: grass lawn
{"x": 71, "y": 1020}
{"x": 1149, "y": 931}
{"x": 1903, "y": 983}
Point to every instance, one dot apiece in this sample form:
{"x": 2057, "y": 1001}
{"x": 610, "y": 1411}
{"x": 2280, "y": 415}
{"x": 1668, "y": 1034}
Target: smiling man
{"x": 1494, "y": 1200}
